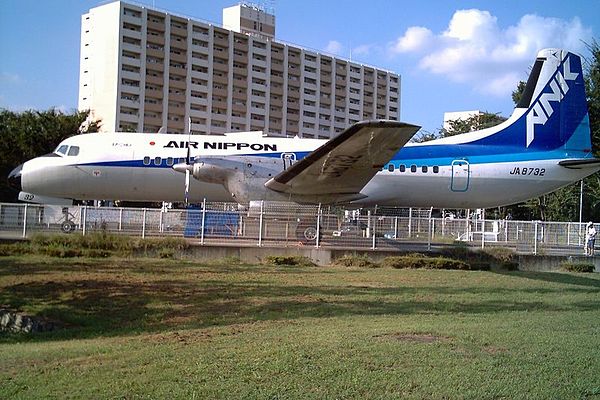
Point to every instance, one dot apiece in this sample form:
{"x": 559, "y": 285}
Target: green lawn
{"x": 148, "y": 328}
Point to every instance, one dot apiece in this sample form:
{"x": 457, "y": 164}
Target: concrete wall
{"x": 327, "y": 256}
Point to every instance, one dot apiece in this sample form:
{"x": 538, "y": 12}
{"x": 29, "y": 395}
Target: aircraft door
{"x": 459, "y": 182}
{"x": 288, "y": 160}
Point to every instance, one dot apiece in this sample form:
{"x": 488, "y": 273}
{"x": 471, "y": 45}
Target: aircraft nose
{"x": 14, "y": 178}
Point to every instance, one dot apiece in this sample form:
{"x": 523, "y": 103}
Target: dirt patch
{"x": 181, "y": 337}
{"x": 413, "y": 337}
{"x": 495, "y": 350}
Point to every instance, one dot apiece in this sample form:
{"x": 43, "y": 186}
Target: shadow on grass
{"x": 565, "y": 278}
{"x": 141, "y": 298}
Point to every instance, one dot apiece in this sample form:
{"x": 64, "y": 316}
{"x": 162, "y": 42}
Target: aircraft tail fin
{"x": 556, "y": 104}
{"x": 552, "y": 115}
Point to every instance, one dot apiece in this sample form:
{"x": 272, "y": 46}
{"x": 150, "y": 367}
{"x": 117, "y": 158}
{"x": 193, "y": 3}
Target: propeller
{"x": 186, "y": 167}
{"x": 188, "y": 164}
{"x": 187, "y": 177}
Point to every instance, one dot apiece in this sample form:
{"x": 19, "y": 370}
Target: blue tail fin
{"x": 552, "y": 114}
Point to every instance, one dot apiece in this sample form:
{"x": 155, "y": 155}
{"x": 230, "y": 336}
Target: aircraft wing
{"x": 339, "y": 169}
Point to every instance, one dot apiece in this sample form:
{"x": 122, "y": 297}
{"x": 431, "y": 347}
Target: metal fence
{"x": 287, "y": 224}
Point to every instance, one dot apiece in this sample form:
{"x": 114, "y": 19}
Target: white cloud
{"x": 415, "y": 38}
{"x": 476, "y": 50}
{"x": 334, "y": 47}
{"x": 362, "y": 50}
{"x": 9, "y": 78}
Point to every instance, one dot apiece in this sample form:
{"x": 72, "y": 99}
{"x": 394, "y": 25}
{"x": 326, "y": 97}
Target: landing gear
{"x": 67, "y": 226}
{"x": 306, "y": 232}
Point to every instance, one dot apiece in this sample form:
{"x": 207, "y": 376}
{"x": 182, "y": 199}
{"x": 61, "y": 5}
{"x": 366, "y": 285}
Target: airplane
{"x": 544, "y": 145}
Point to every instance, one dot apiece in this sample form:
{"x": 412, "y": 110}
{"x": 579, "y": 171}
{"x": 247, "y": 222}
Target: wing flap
{"x": 345, "y": 164}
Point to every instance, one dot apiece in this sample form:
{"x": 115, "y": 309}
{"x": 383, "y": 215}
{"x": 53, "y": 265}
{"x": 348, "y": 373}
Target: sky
{"x": 451, "y": 55}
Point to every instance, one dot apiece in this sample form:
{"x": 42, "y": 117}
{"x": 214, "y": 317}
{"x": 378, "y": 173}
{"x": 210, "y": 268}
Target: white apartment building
{"x": 143, "y": 69}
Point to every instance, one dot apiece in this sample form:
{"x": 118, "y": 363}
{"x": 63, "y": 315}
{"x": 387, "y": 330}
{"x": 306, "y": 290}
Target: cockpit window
{"x": 73, "y": 151}
{"x": 62, "y": 149}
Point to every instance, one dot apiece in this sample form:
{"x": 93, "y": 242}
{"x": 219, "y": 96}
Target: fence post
{"x": 409, "y": 222}
{"x": 373, "y": 230}
{"x": 483, "y": 228}
{"x": 160, "y": 220}
{"x": 396, "y": 227}
{"x": 203, "y": 220}
{"x": 535, "y": 233}
{"x": 144, "y": 224}
{"x": 120, "y": 218}
{"x": 318, "y": 226}
{"x": 83, "y": 220}
{"x": 260, "y": 223}
{"x": 25, "y": 221}
{"x": 429, "y": 233}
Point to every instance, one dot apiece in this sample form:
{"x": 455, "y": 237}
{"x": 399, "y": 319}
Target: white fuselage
{"x": 138, "y": 167}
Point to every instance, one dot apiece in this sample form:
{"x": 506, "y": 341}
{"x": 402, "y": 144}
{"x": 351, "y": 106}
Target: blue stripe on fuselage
{"x": 430, "y": 154}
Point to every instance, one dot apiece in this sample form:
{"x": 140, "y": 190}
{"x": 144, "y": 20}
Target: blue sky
{"x": 452, "y": 55}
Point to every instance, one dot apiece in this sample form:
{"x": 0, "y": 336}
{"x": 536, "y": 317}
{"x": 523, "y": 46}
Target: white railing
{"x": 287, "y": 224}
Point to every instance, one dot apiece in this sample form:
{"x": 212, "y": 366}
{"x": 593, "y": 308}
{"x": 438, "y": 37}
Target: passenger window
{"x": 170, "y": 161}
{"x": 436, "y": 169}
{"x": 413, "y": 168}
{"x": 402, "y": 168}
{"x": 424, "y": 169}
{"x": 73, "y": 151}
{"x": 391, "y": 167}
{"x": 146, "y": 160}
{"x": 157, "y": 161}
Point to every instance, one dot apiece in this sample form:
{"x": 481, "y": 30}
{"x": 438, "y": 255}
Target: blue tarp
{"x": 216, "y": 223}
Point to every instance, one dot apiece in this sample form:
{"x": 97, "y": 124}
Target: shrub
{"x": 577, "y": 267}
{"x": 459, "y": 252}
{"x": 96, "y": 253}
{"x": 166, "y": 253}
{"x": 14, "y": 249}
{"x": 501, "y": 254}
{"x": 361, "y": 261}
{"x": 61, "y": 251}
{"x": 296, "y": 261}
{"x": 100, "y": 244}
{"x": 422, "y": 262}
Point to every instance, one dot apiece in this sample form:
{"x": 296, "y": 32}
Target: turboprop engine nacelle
{"x": 243, "y": 177}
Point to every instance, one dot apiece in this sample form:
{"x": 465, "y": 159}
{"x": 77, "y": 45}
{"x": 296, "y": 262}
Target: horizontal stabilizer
{"x": 580, "y": 163}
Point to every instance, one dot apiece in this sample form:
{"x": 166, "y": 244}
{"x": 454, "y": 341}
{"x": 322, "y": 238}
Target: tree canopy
{"x": 29, "y": 134}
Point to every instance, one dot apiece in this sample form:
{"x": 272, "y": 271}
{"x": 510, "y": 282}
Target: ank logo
{"x": 542, "y": 109}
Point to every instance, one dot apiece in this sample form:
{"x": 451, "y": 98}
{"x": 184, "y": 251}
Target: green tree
{"x": 518, "y": 92}
{"x": 592, "y": 86}
{"x": 473, "y": 123}
{"x": 28, "y": 134}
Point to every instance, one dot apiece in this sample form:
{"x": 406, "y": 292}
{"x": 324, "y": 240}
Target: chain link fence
{"x": 288, "y": 224}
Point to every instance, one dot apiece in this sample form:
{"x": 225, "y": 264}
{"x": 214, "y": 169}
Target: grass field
{"x": 149, "y": 328}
